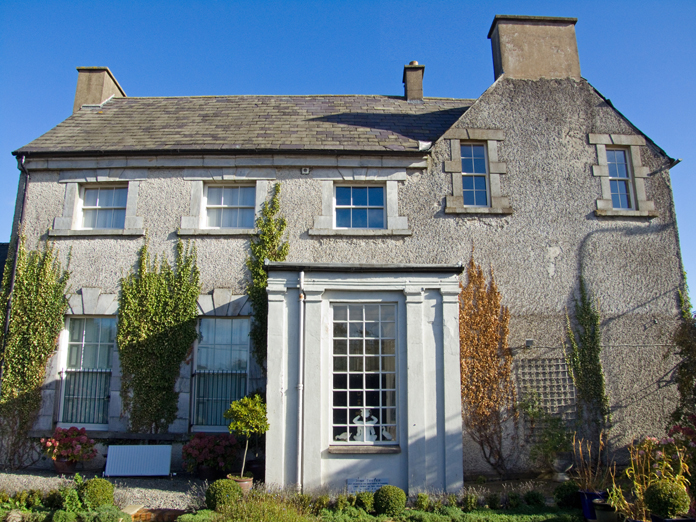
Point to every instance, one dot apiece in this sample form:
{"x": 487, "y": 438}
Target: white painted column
{"x": 454, "y": 466}
{"x": 276, "y": 388}
{"x": 315, "y": 416}
{"x": 415, "y": 383}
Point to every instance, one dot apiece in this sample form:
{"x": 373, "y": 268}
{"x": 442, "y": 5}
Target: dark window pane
{"x": 356, "y": 382}
{"x": 481, "y": 198}
{"x": 389, "y": 381}
{"x": 340, "y": 434}
{"x": 372, "y": 312}
{"x": 376, "y": 196}
{"x": 372, "y": 330}
{"x": 480, "y": 182}
{"x": 359, "y": 218}
{"x": 340, "y": 398}
{"x": 340, "y": 380}
{"x": 468, "y": 182}
{"x": 356, "y": 330}
{"x": 343, "y": 217}
{"x": 340, "y": 364}
{"x": 355, "y": 398}
{"x": 371, "y": 364}
{"x": 467, "y": 165}
{"x": 356, "y": 364}
{"x": 372, "y": 382}
{"x": 477, "y": 151}
{"x": 355, "y": 313}
{"x": 621, "y": 171}
{"x": 360, "y": 196}
{"x": 340, "y": 313}
{"x": 340, "y": 416}
{"x": 339, "y": 346}
{"x": 376, "y": 218}
{"x": 613, "y": 173}
{"x": 469, "y": 197}
{"x": 340, "y": 330}
{"x": 372, "y": 346}
{"x": 342, "y": 195}
{"x": 372, "y": 398}
{"x": 356, "y": 346}
{"x": 480, "y": 166}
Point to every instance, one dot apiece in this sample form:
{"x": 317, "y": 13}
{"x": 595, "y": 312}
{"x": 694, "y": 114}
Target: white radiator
{"x": 138, "y": 461}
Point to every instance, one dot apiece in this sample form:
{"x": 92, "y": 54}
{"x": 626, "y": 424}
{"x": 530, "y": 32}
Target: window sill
{"x": 478, "y": 210}
{"x": 626, "y": 213}
{"x": 134, "y": 232}
{"x": 217, "y": 231}
{"x": 363, "y": 232}
{"x": 364, "y": 450}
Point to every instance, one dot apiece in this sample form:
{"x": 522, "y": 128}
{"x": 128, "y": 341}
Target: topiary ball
{"x": 96, "y": 492}
{"x": 566, "y": 495}
{"x": 222, "y": 493}
{"x": 534, "y": 498}
{"x": 666, "y": 499}
{"x": 390, "y": 501}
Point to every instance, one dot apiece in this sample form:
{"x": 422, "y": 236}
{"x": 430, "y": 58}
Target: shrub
{"x": 452, "y": 513}
{"x": 422, "y": 502}
{"x": 36, "y": 516}
{"x": 217, "y": 451}
{"x": 71, "y": 500}
{"x": 493, "y": 500}
{"x": 320, "y": 503}
{"x": 341, "y": 503}
{"x": 566, "y": 495}
{"x": 53, "y": 500}
{"x": 514, "y": 500}
{"x": 103, "y": 514}
{"x": 71, "y": 444}
{"x": 667, "y": 499}
{"x": 534, "y": 498}
{"x": 64, "y": 516}
{"x": 96, "y": 493}
{"x": 390, "y": 500}
{"x": 366, "y": 501}
{"x": 452, "y": 500}
{"x": 302, "y": 502}
{"x": 222, "y": 493}
{"x": 204, "y": 515}
{"x": 4, "y": 496}
{"x": 469, "y": 502}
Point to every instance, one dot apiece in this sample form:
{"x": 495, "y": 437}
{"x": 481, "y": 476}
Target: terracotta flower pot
{"x": 64, "y": 466}
{"x": 245, "y": 483}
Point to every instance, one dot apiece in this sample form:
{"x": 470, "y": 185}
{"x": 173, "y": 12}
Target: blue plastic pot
{"x": 586, "y": 498}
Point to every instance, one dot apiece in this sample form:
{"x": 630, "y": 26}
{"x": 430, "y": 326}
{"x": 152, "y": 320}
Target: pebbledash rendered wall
{"x": 537, "y": 252}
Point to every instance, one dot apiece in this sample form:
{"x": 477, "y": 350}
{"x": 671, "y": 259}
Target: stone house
{"x": 385, "y": 197}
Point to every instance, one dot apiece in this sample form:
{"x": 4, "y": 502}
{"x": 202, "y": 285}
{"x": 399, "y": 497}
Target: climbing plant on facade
{"x": 269, "y": 245}
{"x": 585, "y": 365}
{"x": 37, "y": 310}
{"x": 156, "y": 329}
{"x": 488, "y": 392}
{"x": 685, "y": 339}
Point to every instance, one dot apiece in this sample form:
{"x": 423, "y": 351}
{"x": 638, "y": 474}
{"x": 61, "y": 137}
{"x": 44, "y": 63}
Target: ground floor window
{"x": 221, "y": 368}
{"x": 364, "y": 374}
{"x": 87, "y": 373}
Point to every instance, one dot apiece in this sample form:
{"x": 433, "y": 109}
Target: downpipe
{"x": 300, "y": 384}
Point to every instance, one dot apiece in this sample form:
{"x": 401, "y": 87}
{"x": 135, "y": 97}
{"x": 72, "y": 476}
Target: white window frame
{"x": 196, "y": 223}
{"x": 628, "y": 180}
{"x": 495, "y": 169}
{"x": 205, "y": 206}
{"x": 71, "y": 221}
{"x": 63, "y": 365}
{"x": 638, "y": 175}
{"x": 473, "y": 175}
{"x": 332, "y": 442}
{"x": 194, "y": 369}
{"x": 83, "y": 207}
{"x": 367, "y": 207}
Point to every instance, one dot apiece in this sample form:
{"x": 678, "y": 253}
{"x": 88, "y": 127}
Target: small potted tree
{"x": 248, "y": 417}
{"x": 666, "y": 500}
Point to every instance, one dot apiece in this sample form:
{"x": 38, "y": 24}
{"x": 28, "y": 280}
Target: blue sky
{"x": 638, "y": 54}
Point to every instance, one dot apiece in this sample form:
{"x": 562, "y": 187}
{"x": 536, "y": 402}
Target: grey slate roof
{"x": 230, "y": 124}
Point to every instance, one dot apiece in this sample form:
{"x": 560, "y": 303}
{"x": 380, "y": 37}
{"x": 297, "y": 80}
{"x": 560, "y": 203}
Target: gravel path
{"x": 179, "y": 492}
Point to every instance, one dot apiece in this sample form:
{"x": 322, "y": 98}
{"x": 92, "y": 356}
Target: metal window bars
{"x": 86, "y": 395}
{"x": 213, "y": 391}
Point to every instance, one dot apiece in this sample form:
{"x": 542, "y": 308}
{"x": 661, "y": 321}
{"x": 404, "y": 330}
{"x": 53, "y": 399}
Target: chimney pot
{"x": 534, "y": 47}
{"x": 95, "y": 85}
{"x": 413, "y": 81}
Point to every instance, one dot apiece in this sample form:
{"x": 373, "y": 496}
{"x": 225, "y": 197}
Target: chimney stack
{"x": 534, "y": 47}
{"x": 95, "y": 85}
{"x": 413, "y": 81}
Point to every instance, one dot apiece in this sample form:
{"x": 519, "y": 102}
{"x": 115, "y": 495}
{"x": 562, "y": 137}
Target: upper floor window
{"x": 104, "y": 208}
{"x": 474, "y": 175}
{"x": 359, "y": 207}
{"x": 230, "y": 207}
{"x": 620, "y": 179}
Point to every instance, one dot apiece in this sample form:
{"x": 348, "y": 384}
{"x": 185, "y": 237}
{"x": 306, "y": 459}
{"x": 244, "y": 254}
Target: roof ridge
{"x": 388, "y": 96}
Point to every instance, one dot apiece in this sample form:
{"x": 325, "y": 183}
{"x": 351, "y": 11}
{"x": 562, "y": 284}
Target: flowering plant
{"x": 652, "y": 460}
{"x": 217, "y": 451}
{"x": 685, "y": 435}
{"x": 71, "y": 444}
